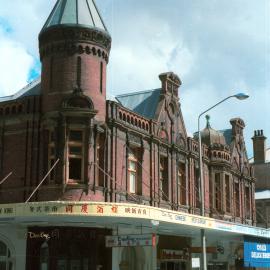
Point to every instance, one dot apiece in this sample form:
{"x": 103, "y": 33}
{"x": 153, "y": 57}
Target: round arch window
{"x": 5, "y": 257}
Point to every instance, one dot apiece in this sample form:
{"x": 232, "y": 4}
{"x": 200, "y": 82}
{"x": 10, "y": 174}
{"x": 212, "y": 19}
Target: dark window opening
{"x": 100, "y": 161}
{"x": 163, "y": 178}
{"x": 218, "y": 197}
{"x": 197, "y": 188}
{"x": 247, "y": 197}
{"x": 181, "y": 175}
{"x": 228, "y": 193}
{"x": 75, "y": 135}
{"x": 75, "y": 166}
{"x": 237, "y": 199}
{"x": 75, "y": 155}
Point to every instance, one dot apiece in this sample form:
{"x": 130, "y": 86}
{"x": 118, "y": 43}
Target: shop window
{"x": 218, "y": 196}
{"x": 75, "y": 156}
{"x": 228, "y": 193}
{"x": 51, "y": 154}
{"x": 181, "y": 180}
{"x": 163, "y": 178}
{"x": 237, "y": 199}
{"x": 247, "y": 203}
{"x": 197, "y": 187}
{"x": 134, "y": 171}
{"x": 5, "y": 257}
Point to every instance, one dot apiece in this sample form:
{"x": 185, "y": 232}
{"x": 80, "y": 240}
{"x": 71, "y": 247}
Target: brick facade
{"x": 36, "y": 129}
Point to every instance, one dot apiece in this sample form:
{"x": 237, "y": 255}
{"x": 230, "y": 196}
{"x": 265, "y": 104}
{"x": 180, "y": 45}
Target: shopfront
{"x": 173, "y": 253}
{"x": 67, "y": 248}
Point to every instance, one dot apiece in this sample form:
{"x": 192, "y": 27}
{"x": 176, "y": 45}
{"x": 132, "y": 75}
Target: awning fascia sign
{"x": 34, "y": 210}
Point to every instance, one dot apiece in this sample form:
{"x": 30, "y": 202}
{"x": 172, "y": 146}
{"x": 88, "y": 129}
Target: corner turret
{"x": 74, "y": 47}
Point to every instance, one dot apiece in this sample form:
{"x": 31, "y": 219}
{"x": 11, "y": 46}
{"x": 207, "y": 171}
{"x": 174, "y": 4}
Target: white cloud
{"x": 214, "y": 46}
{"x": 15, "y": 65}
{"x": 136, "y": 65}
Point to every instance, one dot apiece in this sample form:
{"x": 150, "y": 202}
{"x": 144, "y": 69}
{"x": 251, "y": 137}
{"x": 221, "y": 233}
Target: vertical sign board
{"x": 256, "y": 252}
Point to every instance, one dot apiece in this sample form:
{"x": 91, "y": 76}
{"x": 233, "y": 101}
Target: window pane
{"x": 132, "y": 182}
{"x": 75, "y": 135}
{"x": 52, "y": 151}
{"x": 75, "y": 150}
{"x": 75, "y": 167}
{"x": 132, "y": 165}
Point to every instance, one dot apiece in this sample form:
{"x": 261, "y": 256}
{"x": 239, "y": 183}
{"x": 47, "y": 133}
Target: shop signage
{"x": 123, "y": 210}
{"x": 256, "y": 252}
{"x": 170, "y": 254}
{"x": 130, "y": 240}
{"x": 44, "y": 235}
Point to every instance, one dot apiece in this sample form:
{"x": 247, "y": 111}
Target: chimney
{"x": 170, "y": 83}
{"x": 259, "y": 146}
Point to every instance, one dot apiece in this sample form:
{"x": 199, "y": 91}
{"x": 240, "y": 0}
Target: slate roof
{"x": 227, "y": 133}
{"x": 32, "y": 89}
{"x": 75, "y": 12}
{"x": 143, "y": 102}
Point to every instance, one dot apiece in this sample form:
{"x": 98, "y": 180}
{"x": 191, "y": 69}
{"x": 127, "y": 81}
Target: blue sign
{"x": 256, "y": 252}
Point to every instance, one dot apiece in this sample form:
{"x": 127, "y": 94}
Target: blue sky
{"x": 217, "y": 48}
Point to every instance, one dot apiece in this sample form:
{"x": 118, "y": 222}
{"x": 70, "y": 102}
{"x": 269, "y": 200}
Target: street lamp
{"x": 240, "y": 96}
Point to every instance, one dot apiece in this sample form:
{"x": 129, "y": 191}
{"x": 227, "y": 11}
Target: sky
{"x": 217, "y": 47}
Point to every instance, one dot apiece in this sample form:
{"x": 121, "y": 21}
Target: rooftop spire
{"x": 75, "y": 12}
{"x": 208, "y": 121}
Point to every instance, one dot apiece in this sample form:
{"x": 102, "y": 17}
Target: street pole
{"x": 203, "y": 238}
{"x": 203, "y": 262}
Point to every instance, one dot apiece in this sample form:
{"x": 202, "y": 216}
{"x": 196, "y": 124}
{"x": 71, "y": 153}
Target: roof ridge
{"x": 138, "y": 92}
{"x": 22, "y": 91}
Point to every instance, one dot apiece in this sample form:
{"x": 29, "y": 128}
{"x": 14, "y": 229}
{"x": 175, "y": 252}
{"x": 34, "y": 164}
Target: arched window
{"x": 5, "y": 257}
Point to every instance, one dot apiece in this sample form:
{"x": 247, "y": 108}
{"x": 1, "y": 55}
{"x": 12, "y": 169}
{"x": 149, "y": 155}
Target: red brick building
{"x": 133, "y": 150}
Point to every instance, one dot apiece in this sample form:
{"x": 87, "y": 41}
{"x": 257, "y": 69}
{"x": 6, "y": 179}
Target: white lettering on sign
{"x": 261, "y": 247}
{"x": 39, "y": 235}
{"x": 130, "y": 240}
{"x": 260, "y": 255}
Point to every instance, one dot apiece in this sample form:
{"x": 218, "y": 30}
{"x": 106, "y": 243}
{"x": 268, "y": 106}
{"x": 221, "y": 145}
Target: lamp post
{"x": 240, "y": 96}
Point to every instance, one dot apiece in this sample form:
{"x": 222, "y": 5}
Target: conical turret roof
{"x": 75, "y": 12}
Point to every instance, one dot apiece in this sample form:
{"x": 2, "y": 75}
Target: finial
{"x": 207, "y": 117}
